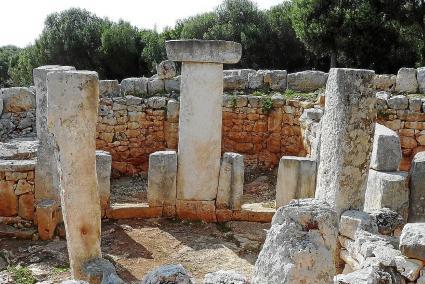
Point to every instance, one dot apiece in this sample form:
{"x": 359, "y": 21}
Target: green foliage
{"x": 258, "y": 94}
{"x": 22, "y": 275}
{"x": 22, "y": 64}
{"x": 154, "y": 48}
{"x": 7, "y": 53}
{"x": 291, "y": 94}
{"x": 233, "y": 101}
{"x": 266, "y": 104}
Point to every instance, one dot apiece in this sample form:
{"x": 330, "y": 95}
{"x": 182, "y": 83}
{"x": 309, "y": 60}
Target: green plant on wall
{"x": 266, "y": 104}
{"x": 233, "y": 101}
{"x": 22, "y": 275}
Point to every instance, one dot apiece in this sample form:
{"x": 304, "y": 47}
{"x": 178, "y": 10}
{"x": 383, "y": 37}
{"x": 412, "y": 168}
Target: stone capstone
{"x": 386, "y": 149}
{"x": 301, "y": 245}
{"x": 173, "y": 273}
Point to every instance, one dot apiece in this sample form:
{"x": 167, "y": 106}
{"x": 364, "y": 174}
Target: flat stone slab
{"x": 7, "y": 231}
{"x": 207, "y": 51}
{"x": 17, "y": 165}
{"x": 18, "y": 150}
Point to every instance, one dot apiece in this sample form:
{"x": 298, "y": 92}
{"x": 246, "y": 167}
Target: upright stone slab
{"x": 103, "y": 171}
{"x": 72, "y": 117}
{"x": 46, "y": 179}
{"x": 417, "y": 189}
{"x": 296, "y": 179}
{"x": 162, "y": 178}
{"x": 230, "y": 184}
{"x": 386, "y": 150}
{"x": 199, "y": 147}
{"x": 346, "y": 138}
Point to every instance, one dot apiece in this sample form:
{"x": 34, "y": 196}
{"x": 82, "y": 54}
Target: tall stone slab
{"x": 417, "y": 189}
{"x": 72, "y": 117}
{"x": 46, "y": 179}
{"x": 230, "y": 184}
{"x": 296, "y": 179}
{"x": 346, "y": 139}
{"x": 199, "y": 147}
{"x": 103, "y": 171}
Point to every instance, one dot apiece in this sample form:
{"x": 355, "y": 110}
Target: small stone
{"x": 225, "y": 277}
{"x": 353, "y": 220}
{"x": 415, "y": 104}
{"x": 166, "y": 69}
{"x": 387, "y": 220}
{"x": 412, "y": 241}
{"x": 157, "y": 102}
{"x": 173, "y": 273}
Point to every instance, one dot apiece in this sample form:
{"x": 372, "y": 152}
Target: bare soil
{"x": 137, "y": 246}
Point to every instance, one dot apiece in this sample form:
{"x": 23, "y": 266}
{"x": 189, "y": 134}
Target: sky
{"x": 21, "y": 21}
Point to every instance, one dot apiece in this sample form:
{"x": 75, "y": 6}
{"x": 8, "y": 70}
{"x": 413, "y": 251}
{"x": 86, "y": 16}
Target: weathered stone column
{"x": 199, "y": 148}
{"x": 417, "y": 189}
{"x": 46, "y": 180}
{"x": 346, "y": 139}
{"x": 72, "y": 115}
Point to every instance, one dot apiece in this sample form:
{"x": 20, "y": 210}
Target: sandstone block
{"x": 162, "y": 178}
{"x": 47, "y": 218}
{"x": 412, "y": 241}
{"x": 196, "y": 210}
{"x": 417, "y": 189}
{"x": 166, "y": 69}
{"x": 207, "y": 51}
{"x": 17, "y": 99}
{"x": 230, "y": 183}
{"x": 387, "y": 190}
{"x": 406, "y": 80}
{"x": 134, "y": 86}
{"x": 8, "y": 199}
{"x": 300, "y": 246}
{"x": 109, "y": 88}
{"x": 307, "y": 81}
{"x": 353, "y": 220}
{"x": 26, "y": 206}
{"x": 386, "y": 149}
{"x": 296, "y": 179}
{"x": 346, "y": 138}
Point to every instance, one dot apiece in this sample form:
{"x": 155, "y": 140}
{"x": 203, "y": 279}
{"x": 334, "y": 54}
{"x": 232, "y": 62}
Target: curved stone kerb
{"x": 208, "y": 51}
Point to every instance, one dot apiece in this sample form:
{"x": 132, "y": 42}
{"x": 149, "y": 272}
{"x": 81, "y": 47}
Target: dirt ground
{"x": 259, "y": 187}
{"x": 137, "y": 246}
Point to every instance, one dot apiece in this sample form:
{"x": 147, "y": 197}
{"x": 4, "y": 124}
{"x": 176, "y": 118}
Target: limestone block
{"x": 227, "y": 277}
{"x": 162, "y": 177}
{"x": 17, "y": 99}
{"x": 173, "y": 107}
{"x": 387, "y": 190}
{"x": 72, "y": 117}
{"x": 206, "y": 51}
{"x": 47, "y": 218}
{"x": 386, "y": 149}
{"x": 8, "y": 199}
{"x": 256, "y": 80}
{"x": 346, "y": 138}
{"x": 412, "y": 241}
{"x": 26, "y": 206}
{"x": 133, "y": 101}
{"x": 278, "y": 100}
{"x": 420, "y": 76}
{"x": 381, "y": 100}
{"x": 230, "y": 183}
{"x": 415, "y": 104}
{"x": 134, "y": 86}
{"x": 172, "y": 273}
{"x": 46, "y": 177}
{"x": 155, "y": 86}
{"x": 276, "y": 79}
{"x": 398, "y": 102}
{"x": 307, "y": 81}
{"x": 389, "y": 222}
{"x": 166, "y": 69}
{"x": 156, "y": 102}
{"x": 409, "y": 268}
{"x": 234, "y": 82}
{"x": 1, "y": 106}
{"x": 173, "y": 84}
{"x": 406, "y": 80}
{"x": 354, "y": 220}
{"x": 384, "y": 82}
{"x": 296, "y": 179}
{"x": 103, "y": 171}
{"x": 301, "y": 245}
{"x": 109, "y": 88}
{"x": 369, "y": 275}
{"x": 417, "y": 189}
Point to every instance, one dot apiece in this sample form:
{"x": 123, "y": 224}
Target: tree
{"x": 121, "y": 46}
{"x": 22, "y": 64}
{"x": 6, "y": 55}
{"x": 154, "y": 48}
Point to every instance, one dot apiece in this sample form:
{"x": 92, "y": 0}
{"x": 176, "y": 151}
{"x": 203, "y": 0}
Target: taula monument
{"x": 350, "y": 183}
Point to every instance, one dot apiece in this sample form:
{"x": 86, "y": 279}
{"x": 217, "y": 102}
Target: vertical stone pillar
{"x": 230, "y": 185}
{"x": 103, "y": 171}
{"x": 46, "y": 180}
{"x": 346, "y": 139}
{"x": 72, "y": 116}
{"x": 199, "y": 147}
{"x": 417, "y": 189}
{"x": 296, "y": 179}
